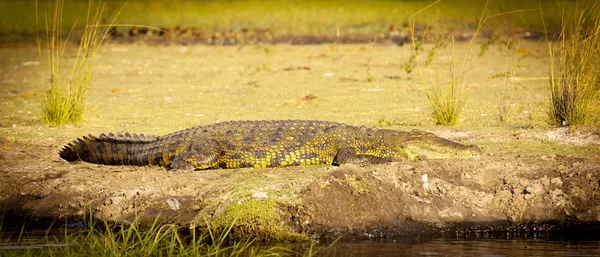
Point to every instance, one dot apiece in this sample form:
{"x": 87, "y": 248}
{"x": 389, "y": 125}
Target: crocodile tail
{"x": 113, "y": 149}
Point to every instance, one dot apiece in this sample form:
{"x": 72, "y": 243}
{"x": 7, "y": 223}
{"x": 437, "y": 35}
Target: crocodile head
{"x": 419, "y": 144}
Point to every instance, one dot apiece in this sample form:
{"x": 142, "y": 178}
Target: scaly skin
{"x": 261, "y": 144}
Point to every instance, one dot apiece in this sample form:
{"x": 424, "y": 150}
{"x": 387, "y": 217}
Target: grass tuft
{"x": 445, "y": 101}
{"x": 65, "y": 101}
{"x": 575, "y": 69}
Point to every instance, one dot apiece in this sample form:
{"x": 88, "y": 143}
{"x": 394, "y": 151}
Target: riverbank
{"x": 530, "y": 173}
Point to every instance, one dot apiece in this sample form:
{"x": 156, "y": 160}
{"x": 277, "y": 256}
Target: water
{"x": 489, "y": 245}
{"x": 480, "y": 247}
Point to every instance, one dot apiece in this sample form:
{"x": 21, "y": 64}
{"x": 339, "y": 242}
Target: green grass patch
{"x": 575, "y": 79}
{"x": 258, "y": 219}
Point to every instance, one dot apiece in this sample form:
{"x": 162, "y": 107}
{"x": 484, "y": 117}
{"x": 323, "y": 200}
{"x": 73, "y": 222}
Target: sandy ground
{"x": 529, "y": 174}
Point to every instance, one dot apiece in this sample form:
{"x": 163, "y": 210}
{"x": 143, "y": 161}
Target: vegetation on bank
{"x": 572, "y": 63}
{"x": 295, "y": 17}
{"x": 575, "y": 69}
{"x": 257, "y": 219}
{"x": 131, "y": 239}
{"x": 65, "y": 101}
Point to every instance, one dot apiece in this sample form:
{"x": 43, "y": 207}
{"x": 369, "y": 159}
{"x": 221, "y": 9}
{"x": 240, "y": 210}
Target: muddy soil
{"x": 489, "y": 192}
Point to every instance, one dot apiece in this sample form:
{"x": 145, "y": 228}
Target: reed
{"x": 575, "y": 69}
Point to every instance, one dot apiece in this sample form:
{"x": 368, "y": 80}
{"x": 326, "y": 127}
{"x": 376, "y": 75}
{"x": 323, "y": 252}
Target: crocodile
{"x": 262, "y": 144}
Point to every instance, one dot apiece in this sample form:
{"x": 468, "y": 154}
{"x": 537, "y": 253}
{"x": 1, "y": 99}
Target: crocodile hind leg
{"x": 199, "y": 156}
{"x": 349, "y": 155}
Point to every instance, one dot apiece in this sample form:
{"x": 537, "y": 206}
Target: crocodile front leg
{"x": 349, "y": 155}
{"x": 198, "y": 155}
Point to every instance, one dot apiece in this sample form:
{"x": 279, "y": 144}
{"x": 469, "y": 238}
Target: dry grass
{"x": 65, "y": 101}
{"x": 575, "y": 58}
{"x": 447, "y": 97}
{"x": 157, "y": 90}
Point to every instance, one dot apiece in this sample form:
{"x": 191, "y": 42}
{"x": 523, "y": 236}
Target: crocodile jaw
{"x": 419, "y": 150}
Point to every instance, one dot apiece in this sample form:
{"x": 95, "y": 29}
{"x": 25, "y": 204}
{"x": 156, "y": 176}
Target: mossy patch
{"x": 258, "y": 219}
{"x": 357, "y": 184}
{"x": 254, "y": 203}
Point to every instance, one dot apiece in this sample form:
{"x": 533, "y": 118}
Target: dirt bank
{"x": 287, "y": 204}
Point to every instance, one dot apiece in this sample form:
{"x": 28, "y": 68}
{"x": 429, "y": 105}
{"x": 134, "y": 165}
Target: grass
{"x": 369, "y": 75}
{"x": 445, "y": 100}
{"x": 575, "y": 58}
{"x": 65, "y": 101}
{"x": 131, "y": 239}
{"x": 193, "y": 89}
{"x": 291, "y": 17}
{"x": 505, "y": 103}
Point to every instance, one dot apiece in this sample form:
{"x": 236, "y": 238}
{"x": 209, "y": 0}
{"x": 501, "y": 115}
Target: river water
{"x": 481, "y": 247}
{"x": 541, "y": 244}
{"x": 496, "y": 245}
